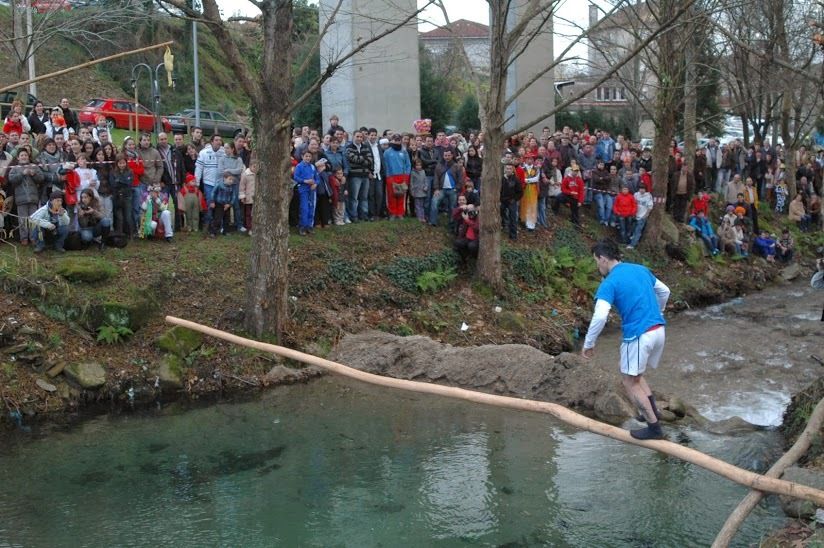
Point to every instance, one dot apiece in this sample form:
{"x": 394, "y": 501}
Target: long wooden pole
{"x": 87, "y": 64}
{"x": 733, "y": 473}
{"x": 749, "y": 502}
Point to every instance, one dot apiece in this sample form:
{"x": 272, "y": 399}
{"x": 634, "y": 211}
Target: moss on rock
{"x": 89, "y": 375}
{"x": 170, "y": 372}
{"x": 85, "y": 269}
{"x": 180, "y": 341}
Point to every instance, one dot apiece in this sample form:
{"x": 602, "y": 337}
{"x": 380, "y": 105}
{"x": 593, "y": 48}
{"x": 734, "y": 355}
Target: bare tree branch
{"x": 664, "y": 27}
{"x": 333, "y": 66}
{"x": 555, "y": 62}
{"x": 316, "y": 45}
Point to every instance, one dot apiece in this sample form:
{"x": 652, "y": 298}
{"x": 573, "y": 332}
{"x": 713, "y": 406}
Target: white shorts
{"x": 644, "y": 351}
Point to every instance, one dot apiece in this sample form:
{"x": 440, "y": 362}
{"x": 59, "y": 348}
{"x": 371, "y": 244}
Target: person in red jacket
{"x": 139, "y": 189}
{"x": 700, "y": 202}
{"x": 625, "y": 208}
{"x": 645, "y": 178}
{"x": 572, "y": 193}
{"x": 13, "y": 123}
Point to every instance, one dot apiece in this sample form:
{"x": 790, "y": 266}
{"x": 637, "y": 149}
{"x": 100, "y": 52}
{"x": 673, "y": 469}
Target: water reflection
{"x": 339, "y": 464}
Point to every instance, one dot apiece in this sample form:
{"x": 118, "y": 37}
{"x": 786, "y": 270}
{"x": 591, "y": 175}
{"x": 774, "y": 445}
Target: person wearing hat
{"x": 572, "y": 193}
{"x": 398, "y": 171}
{"x": 323, "y": 195}
{"x": 52, "y": 224}
{"x": 191, "y": 202}
{"x": 158, "y": 214}
{"x": 529, "y": 200}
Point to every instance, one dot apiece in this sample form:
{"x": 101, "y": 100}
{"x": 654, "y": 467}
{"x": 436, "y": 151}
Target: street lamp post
{"x": 155, "y": 92}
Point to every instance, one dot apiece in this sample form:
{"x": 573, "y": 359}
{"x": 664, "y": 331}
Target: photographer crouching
{"x": 466, "y": 240}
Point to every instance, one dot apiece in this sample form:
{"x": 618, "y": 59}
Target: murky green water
{"x": 336, "y": 463}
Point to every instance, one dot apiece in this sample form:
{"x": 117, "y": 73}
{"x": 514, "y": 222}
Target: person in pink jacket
{"x": 246, "y": 193}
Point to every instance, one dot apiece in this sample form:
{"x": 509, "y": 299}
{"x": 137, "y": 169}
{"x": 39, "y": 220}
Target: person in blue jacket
{"x": 703, "y": 228}
{"x": 306, "y": 177}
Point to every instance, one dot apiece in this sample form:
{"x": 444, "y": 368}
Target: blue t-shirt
{"x": 629, "y": 288}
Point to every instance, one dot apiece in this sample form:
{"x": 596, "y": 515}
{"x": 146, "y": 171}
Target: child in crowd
{"x": 306, "y": 178}
{"x": 121, "y": 180}
{"x": 247, "y": 193}
{"x": 220, "y": 204}
{"x": 338, "y": 183}
{"x": 625, "y": 209}
{"x": 191, "y": 200}
{"x": 418, "y": 190}
{"x": 785, "y": 246}
{"x": 87, "y": 177}
{"x": 158, "y": 212}
{"x": 764, "y": 246}
{"x": 781, "y": 194}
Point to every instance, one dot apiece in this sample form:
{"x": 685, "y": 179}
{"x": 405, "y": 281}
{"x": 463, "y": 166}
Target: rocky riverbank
{"x": 86, "y": 331}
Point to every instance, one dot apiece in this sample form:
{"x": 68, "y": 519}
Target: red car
{"x": 120, "y": 113}
{"x": 45, "y": 6}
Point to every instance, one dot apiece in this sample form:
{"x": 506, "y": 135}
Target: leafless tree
{"x": 268, "y": 82}
{"x": 512, "y": 26}
{"x": 86, "y": 26}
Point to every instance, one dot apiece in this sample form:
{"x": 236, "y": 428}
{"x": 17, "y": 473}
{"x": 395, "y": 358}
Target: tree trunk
{"x": 690, "y": 94}
{"x": 665, "y": 106}
{"x": 267, "y": 289}
{"x": 489, "y": 252}
{"x": 267, "y": 295}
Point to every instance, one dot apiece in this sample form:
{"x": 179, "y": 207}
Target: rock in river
{"x": 89, "y": 375}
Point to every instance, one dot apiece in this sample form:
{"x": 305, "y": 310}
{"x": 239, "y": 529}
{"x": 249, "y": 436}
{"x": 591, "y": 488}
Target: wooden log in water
{"x": 749, "y": 502}
{"x": 717, "y": 466}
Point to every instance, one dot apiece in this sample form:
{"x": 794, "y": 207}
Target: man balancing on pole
{"x": 640, "y": 299}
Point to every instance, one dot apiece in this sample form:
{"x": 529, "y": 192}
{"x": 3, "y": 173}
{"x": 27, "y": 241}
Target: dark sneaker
{"x": 651, "y": 432}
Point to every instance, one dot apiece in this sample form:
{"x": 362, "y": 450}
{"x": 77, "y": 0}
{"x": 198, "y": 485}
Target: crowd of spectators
{"x": 60, "y": 179}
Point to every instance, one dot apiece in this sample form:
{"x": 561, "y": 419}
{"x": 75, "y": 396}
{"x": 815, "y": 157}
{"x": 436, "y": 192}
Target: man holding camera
{"x": 466, "y": 241}
{"x": 817, "y": 282}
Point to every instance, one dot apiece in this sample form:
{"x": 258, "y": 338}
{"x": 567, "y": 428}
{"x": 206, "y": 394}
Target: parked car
{"x": 212, "y": 122}
{"x": 120, "y": 113}
{"x": 6, "y": 99}
{"x": 45, "y": 6}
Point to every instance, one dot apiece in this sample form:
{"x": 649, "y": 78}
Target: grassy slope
{"x": 343, "y": 279}
{"x": 218, "y": 88}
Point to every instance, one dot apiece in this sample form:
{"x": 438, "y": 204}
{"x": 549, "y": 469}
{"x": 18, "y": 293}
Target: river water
{"x": 337, "y": 463}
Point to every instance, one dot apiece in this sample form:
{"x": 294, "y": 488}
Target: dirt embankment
{"x": 86, "y": 330}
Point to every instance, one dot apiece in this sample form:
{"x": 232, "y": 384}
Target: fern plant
{"x": 113, "y": 334}
{"x": 433, "y": 281}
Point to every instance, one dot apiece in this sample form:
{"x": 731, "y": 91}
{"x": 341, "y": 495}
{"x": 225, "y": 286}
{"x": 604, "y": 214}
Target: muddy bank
{"x": 513, "y": 370}
{"x": 79, "y": 343}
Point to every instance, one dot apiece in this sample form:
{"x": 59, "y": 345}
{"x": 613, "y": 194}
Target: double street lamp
{"x": 154, "y": 75}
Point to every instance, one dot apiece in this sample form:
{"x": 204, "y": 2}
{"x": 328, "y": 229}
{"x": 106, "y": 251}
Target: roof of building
{"x": 462, "y": 28}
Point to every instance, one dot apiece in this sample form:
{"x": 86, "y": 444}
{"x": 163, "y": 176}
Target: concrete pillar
{"x": 540, "y": 96}
{"x": 378, "y": 87}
